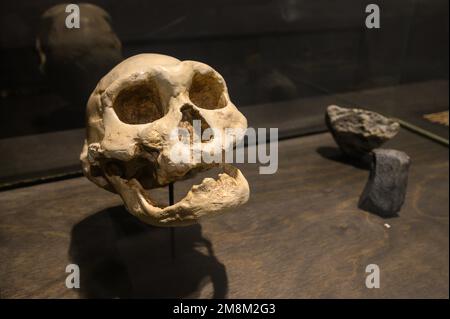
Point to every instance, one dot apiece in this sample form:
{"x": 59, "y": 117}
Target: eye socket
{"x": 207, "y": 91}
{"x": 139, "y": 104}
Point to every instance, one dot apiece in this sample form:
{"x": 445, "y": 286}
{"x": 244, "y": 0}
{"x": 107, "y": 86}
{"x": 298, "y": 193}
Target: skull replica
{"x": 131, "y": 115}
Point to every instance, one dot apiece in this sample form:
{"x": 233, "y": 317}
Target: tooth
{"x": 208, "y": 180}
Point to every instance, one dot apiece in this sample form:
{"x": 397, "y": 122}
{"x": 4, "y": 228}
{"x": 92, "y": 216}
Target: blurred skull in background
{"x": 74, "y": 59}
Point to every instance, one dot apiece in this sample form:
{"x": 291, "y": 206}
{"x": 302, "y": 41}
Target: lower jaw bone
{"x": 210, "y": 197}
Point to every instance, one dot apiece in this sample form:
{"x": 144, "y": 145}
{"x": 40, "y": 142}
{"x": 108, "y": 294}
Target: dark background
{"x": 267, "y": 50}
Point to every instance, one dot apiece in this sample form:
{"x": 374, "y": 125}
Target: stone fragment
{"x": 358, "y": 131}
{"x": 385, "y": 190}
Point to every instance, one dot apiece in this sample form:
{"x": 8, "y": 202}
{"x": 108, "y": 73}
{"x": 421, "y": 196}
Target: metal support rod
{"x": 172, "y": 229}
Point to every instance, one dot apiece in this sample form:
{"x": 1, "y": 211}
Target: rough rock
{"x": 385, "y": 190}
{"x": 357, "y": 131}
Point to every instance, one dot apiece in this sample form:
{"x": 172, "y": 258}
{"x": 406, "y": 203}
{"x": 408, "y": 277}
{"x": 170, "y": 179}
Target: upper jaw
{"x": 210, "y": 197}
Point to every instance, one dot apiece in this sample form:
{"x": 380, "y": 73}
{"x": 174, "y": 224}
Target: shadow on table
{"x": 335, "y": 154}
{"x": 119, "y": 256}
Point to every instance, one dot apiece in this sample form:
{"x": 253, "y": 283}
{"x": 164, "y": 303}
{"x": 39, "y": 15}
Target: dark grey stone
{"x": 385, "y": 190}
{"x": 357, "y": 131}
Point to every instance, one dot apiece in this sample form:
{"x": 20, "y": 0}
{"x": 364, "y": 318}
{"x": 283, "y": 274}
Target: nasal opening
{"x": 190, "y": 114}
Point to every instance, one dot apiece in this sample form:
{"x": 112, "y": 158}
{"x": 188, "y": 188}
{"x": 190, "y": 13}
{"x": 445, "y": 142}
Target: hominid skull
{"x": 131, "y": 117}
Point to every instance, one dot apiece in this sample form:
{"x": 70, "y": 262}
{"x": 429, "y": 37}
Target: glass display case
{"x": 284, "y": 62}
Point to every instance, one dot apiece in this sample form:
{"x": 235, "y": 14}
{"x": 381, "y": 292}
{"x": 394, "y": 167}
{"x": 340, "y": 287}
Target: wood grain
{"x": 300, "y": 236}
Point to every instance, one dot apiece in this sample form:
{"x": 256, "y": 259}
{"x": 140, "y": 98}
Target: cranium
{"x": 131, "y": 115}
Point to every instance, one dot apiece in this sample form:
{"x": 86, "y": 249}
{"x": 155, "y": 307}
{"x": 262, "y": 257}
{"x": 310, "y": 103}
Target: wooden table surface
{"x": 301, "y": 235}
